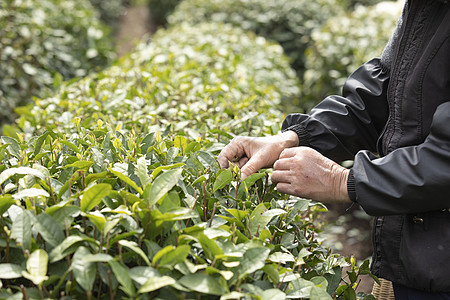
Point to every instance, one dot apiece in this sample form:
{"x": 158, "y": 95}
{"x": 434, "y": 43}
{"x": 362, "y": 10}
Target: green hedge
{"x": 110, "y": 11}
{"x": 178, "y": 78}
{"x": 111, "y": 189}
{"x": 345, "y": 43}
{"x": 41, "y": 39}
{"x": 288, "y": 22}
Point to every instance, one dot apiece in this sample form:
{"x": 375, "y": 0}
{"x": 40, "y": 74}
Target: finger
{"x": 252, "y": 166}
{"x": 285, "y": 188}
{"x": 242, "y": 162}
{"x": 232, "y": 152}
{"x": 281, "y": 176}
{"x": 283, "y": 164}
{"x": 288, "y": 152}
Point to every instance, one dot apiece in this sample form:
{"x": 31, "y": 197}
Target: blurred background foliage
{"x": 53, "y": 39}
{"x": 342, "y": 44}
{"x": 290, "y": 23}
{"x": 40, "y": 40}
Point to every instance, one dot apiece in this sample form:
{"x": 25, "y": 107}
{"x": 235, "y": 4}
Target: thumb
{"x": 252, "y": 166}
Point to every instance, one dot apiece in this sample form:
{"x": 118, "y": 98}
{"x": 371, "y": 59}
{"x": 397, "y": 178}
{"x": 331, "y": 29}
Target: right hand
{"x": 254, "y": 153}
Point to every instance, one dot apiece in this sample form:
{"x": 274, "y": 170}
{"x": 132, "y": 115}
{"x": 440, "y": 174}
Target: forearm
{"x": 411, "y": 179}
{"x": 340, "y": 126}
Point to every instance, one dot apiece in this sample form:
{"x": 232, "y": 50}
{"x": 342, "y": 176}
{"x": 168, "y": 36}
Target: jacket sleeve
{"x": 412, "y": 179}
{"x": 339, "y": 126}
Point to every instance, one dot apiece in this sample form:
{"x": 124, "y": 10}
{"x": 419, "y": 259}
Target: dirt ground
{"x": 134, "y": 24}
{"x": 348, "y": 230}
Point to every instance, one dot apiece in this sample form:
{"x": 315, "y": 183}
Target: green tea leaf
{"x": 33, "y": 192}
{"x": 5, "y": 202}
{"x": 81, "y": 164}
{"x": 168, "y": 167}
{"x": 180, "y": 142}
{"x": 253, "y": 260}
{"x": 202, "y": 283}
{"x": 318, "y": 293}
{"x": 142, "y": 173}
{"x": 209, "y": 246}
{"x": 64, "y": 249}
{"x": 39, "y": 142}
{"x": 142, "y": 273}
{"x": 248, "y": 182}
{"x": 161, "y": 253}
{"x": 10, "y": 271}
{"x": 155, "y": 283}
{"x": 127, "y": 180}
{"x": 134, "y": 247}
{"x": 123, "y": 277}
{"x": 49, "y": 229}
{"x": 238, "y": 214}
{"x": 163, "y": 184}
{"x": 20, "y": 171}
{"x": 21, "y": 230}
{"x": 94, "y": 196}
{"x": 97, "y": 219}
{"x": 224, "y": 177}
{"x": 13, "y": 148}
{"x": 37, "y": 267}
{"x": 176, "y": 214}
{"x": 177, "y": 255}
{"x": 273, "y": 294}
{"x": 83, "y": 271}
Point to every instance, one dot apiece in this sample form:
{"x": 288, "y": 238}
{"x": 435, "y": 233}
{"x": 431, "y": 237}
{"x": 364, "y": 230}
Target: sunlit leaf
{"x": 202, "y": 283}
{"x": 163, "y": 184}
{"x": 94, "y": 196}
{"x": 10, "y": 271}
{"x": 20, "y": 171}
{"x": 127, "y": 180}
{"x": 155, "y": 283}
{"x": 37, "y": 265}
{"x": 135, "y": 248}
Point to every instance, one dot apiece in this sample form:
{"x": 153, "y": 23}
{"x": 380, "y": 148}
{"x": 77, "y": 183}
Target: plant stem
{"x": 111, "y": 294}
{"x": 51, "y": 191}
{"x": 212, "y": 214}
{"x": 24, "y": 292}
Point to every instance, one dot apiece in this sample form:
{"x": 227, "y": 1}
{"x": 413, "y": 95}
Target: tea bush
{"x": 110, "y": 11}
{"x": 288, "y": 22}
{"x": 343, "y": 44}
{"x": 41, "y": 39}
{"x": 111, "y": 189}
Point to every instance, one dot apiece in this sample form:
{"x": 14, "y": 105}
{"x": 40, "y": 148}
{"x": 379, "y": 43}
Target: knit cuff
{"x": 303, "y": 135}
{"x": 351, "y": 188}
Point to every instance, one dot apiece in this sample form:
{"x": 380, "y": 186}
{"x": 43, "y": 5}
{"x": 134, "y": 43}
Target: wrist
{"x": 340, "y": 178}
{"x": 343, "y": 191}
{"x": 289, "y": 139}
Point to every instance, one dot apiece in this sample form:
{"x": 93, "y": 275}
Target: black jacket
{"x": 393, "y": 120}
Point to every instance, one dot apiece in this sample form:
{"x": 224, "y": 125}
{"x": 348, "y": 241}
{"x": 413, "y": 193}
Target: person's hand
{"x": 254, "y": 153}
{"x": 304, "y": 172}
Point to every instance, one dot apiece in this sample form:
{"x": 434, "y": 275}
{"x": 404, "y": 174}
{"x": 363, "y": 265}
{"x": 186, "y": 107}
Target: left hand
{"x": 304, "y": 172}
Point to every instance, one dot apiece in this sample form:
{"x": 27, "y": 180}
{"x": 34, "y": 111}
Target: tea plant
{"x": 110, "y": 189}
